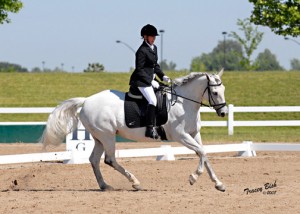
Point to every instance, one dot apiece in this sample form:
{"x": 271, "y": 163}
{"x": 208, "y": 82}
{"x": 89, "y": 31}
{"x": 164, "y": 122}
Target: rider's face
{"x": 150, "y": 39}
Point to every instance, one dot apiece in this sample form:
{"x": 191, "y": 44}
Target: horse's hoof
{"x": 137, "y": 187}
{"x": 193, "y": 179}
{"x": 107, "y": 188}
{"x": 220, "y": 187}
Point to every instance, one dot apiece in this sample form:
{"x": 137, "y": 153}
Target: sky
{"x": 75, "y": 32}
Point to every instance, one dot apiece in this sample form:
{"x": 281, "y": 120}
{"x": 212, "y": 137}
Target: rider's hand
{"x": 166, "y": 79}
{"x": 155, "y": 84}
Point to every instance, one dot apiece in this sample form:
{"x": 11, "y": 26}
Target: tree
{"x": 282, "y": 17}
{"x": 36, "y": 70}
{"x": 10, "y": 67}
{"x": 198, "y": 63}
{"x": 266, "y": 61}
{"x": 94, "y": 67}
{"x": 230, "y": 59}
{"x": 167, "y": 66}
{"x": 295, "y": 65}
{"x": 215, "y": 60}
{"x": 7, "y": 6}
{"x": 252, "y": 39}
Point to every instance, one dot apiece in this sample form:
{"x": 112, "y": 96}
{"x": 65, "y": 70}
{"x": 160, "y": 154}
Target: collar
{"x": 151, "y": 46}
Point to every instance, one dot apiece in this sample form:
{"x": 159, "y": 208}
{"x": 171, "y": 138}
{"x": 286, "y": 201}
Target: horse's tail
{"x": 62, "y": 121}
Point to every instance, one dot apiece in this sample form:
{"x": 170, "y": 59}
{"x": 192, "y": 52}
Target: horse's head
{"x": 216, "y": 93}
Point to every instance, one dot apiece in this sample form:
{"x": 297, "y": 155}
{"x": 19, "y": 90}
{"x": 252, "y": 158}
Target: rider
{"x": 143, "y": 77}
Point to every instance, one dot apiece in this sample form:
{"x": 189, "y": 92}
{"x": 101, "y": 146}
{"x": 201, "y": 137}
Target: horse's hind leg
{"x": 95, "y": 162}
{"x": 111, "y": 161}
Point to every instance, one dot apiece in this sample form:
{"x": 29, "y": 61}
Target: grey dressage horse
{"x": 102, "y": 115}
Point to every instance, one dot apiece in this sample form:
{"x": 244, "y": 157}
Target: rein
{"x": 211, "y": 101}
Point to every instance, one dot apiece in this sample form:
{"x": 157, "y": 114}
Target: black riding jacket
{"x": 145, "y": 67}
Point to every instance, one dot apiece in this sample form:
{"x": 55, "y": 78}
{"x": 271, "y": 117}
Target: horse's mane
{"x": 182, "y": 80}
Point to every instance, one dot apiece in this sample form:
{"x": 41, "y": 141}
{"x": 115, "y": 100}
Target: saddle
{"x": 135, "y": 107}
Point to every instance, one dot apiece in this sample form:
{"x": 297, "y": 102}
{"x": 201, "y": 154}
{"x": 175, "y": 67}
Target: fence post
{"x": 230, "y": 119}
{"x": 169, "y": 154}
{"x": 249, "y": 152}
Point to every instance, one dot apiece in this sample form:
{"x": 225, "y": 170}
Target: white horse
{"x": 102, "y": 115}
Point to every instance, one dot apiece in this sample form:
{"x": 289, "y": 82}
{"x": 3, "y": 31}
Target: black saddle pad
{"x": 135, "y": 111}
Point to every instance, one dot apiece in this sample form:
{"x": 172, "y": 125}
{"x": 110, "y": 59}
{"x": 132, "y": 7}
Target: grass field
{"x": 242, "y": 89}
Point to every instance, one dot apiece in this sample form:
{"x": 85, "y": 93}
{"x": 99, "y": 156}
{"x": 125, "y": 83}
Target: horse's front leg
{"x": 194, "y": 176}
{"x": 218, "y": 184}
{"x": 196, "y": 145}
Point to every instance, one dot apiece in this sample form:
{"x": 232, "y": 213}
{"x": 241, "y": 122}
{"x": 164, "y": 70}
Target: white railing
{"x": 233, "y": 123}
{"x": 80, "y": 154}
{"x": 230, "y": 123}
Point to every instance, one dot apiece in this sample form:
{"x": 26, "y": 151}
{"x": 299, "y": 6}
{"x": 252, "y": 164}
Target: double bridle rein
{"x": 211, "y": 100}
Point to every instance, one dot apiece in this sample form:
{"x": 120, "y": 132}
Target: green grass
{"x": 49, "y": 89}
{"x": 255, "y": 134}
{"x": 242, "y": 89}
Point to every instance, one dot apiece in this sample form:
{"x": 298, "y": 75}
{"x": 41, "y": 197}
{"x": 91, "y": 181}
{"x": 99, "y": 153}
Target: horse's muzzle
{"x": 222, "y": 111}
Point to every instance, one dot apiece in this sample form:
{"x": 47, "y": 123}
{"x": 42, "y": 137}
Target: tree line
{"x": 235, "y": 54}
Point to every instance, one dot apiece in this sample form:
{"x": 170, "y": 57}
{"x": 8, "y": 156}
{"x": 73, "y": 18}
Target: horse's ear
{"x": 221, "y": 73}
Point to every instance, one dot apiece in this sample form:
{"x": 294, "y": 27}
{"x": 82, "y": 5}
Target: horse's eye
{"x": 215, "y": 93}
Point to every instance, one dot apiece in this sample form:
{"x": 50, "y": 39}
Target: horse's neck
{"x": 193, "y": 90}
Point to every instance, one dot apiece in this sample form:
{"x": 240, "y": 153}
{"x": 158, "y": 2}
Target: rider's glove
{"x": 155, "y": 84}
{"x": 166, "y": 79}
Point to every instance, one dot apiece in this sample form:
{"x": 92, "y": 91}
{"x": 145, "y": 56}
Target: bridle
{"x": 212, "y": 103}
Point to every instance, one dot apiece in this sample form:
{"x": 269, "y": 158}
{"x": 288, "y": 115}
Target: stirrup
{"x": 151, "y": 132}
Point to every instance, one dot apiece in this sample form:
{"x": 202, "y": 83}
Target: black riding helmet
{"x": 149, "y": 30}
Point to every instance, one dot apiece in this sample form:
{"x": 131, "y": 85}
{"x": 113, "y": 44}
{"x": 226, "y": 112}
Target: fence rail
{"x": 230, "y": 123}
{"x": 256, "y": 109}
{"x": 80, "y": 155}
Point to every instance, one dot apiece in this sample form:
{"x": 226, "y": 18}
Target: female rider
{"x": 143, "y": 77}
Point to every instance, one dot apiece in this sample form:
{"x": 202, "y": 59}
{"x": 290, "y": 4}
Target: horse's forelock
{"x": 217, "y": 78}
{"x": 182, "y": 80}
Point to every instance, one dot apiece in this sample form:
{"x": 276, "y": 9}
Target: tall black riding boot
{"x": 150, "y": 122}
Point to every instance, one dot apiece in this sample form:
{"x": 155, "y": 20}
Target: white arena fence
{"x": 78, "y": 152}
{"x": 79, "y": 144}
{"x": 230, "y": 123}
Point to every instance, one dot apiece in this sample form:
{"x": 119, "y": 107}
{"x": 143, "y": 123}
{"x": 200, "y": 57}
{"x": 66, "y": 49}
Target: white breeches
{"x": 149, "y": 94}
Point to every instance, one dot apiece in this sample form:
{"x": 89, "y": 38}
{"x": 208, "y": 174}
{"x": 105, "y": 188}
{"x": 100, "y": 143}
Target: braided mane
{"x": 182, "y": 80}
